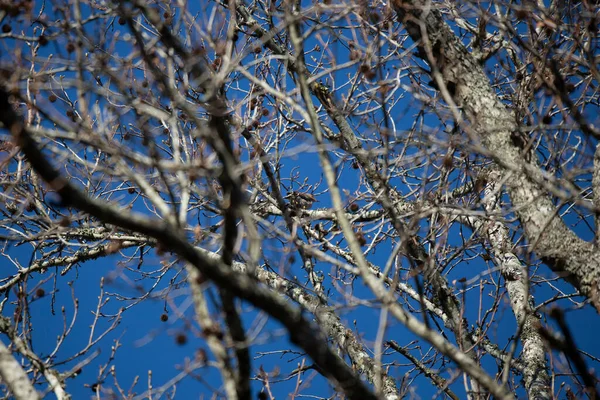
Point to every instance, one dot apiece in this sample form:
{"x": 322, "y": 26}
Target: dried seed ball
{"x": 43, "y": 40}
{"x": 40, "y": 292}
{"x": 122, "y": 21}
{"x": 360, "y": 237}
{"x": 265, "y": 112}
{"x": 131, "y": 190}
{"x": 181, "y": 339}
{"x": 6, "y": 28}
{"x": 547, "y": 119}
{"x": 383, "y": 89}
{"x": 164, "y": 317}
{"x": 448, "y": 162}
{"x": 521, "y": 14}
{"x": 480, "y": 184}
{"x": 70, "y": 47}
{"x": 52, "y": 98}
{"x": 354, "y": 207}
{"x": 65, "y": 222}
{"x": 364, "y": 68}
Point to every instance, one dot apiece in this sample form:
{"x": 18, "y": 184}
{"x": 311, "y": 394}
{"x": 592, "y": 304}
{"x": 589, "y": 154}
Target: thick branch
{"x": 302, "y": 332}
{"x": 14, "y": 377}
{"x": 494, "y": 125}
{"x": 535, "y": 374}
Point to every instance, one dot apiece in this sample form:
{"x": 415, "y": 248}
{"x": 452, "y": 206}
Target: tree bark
{"x": 493, "y": 126}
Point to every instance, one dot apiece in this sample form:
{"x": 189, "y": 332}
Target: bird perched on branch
{"x": 300, "y": 200}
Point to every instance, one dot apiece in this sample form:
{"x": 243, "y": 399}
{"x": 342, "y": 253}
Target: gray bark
{"x": 15, "y": 377}
{"x": 535, "y": 374}
{"x": 493, "y": 125}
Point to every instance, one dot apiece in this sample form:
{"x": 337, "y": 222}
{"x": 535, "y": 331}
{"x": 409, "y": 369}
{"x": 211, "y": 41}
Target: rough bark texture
{"x": 202, "y": 147}
{"x": 535, "y": 374}
{"x": 14, "y": 377}
{"x": 493, "y": 125}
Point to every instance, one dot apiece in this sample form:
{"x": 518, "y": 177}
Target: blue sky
{"x": 148, "y": 344}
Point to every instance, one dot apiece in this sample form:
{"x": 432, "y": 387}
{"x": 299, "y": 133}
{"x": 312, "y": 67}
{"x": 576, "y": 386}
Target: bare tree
{"x": 387, "y": 181}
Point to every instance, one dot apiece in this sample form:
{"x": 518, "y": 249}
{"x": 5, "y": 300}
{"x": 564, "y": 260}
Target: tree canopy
{"x": 279, "y": 199}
